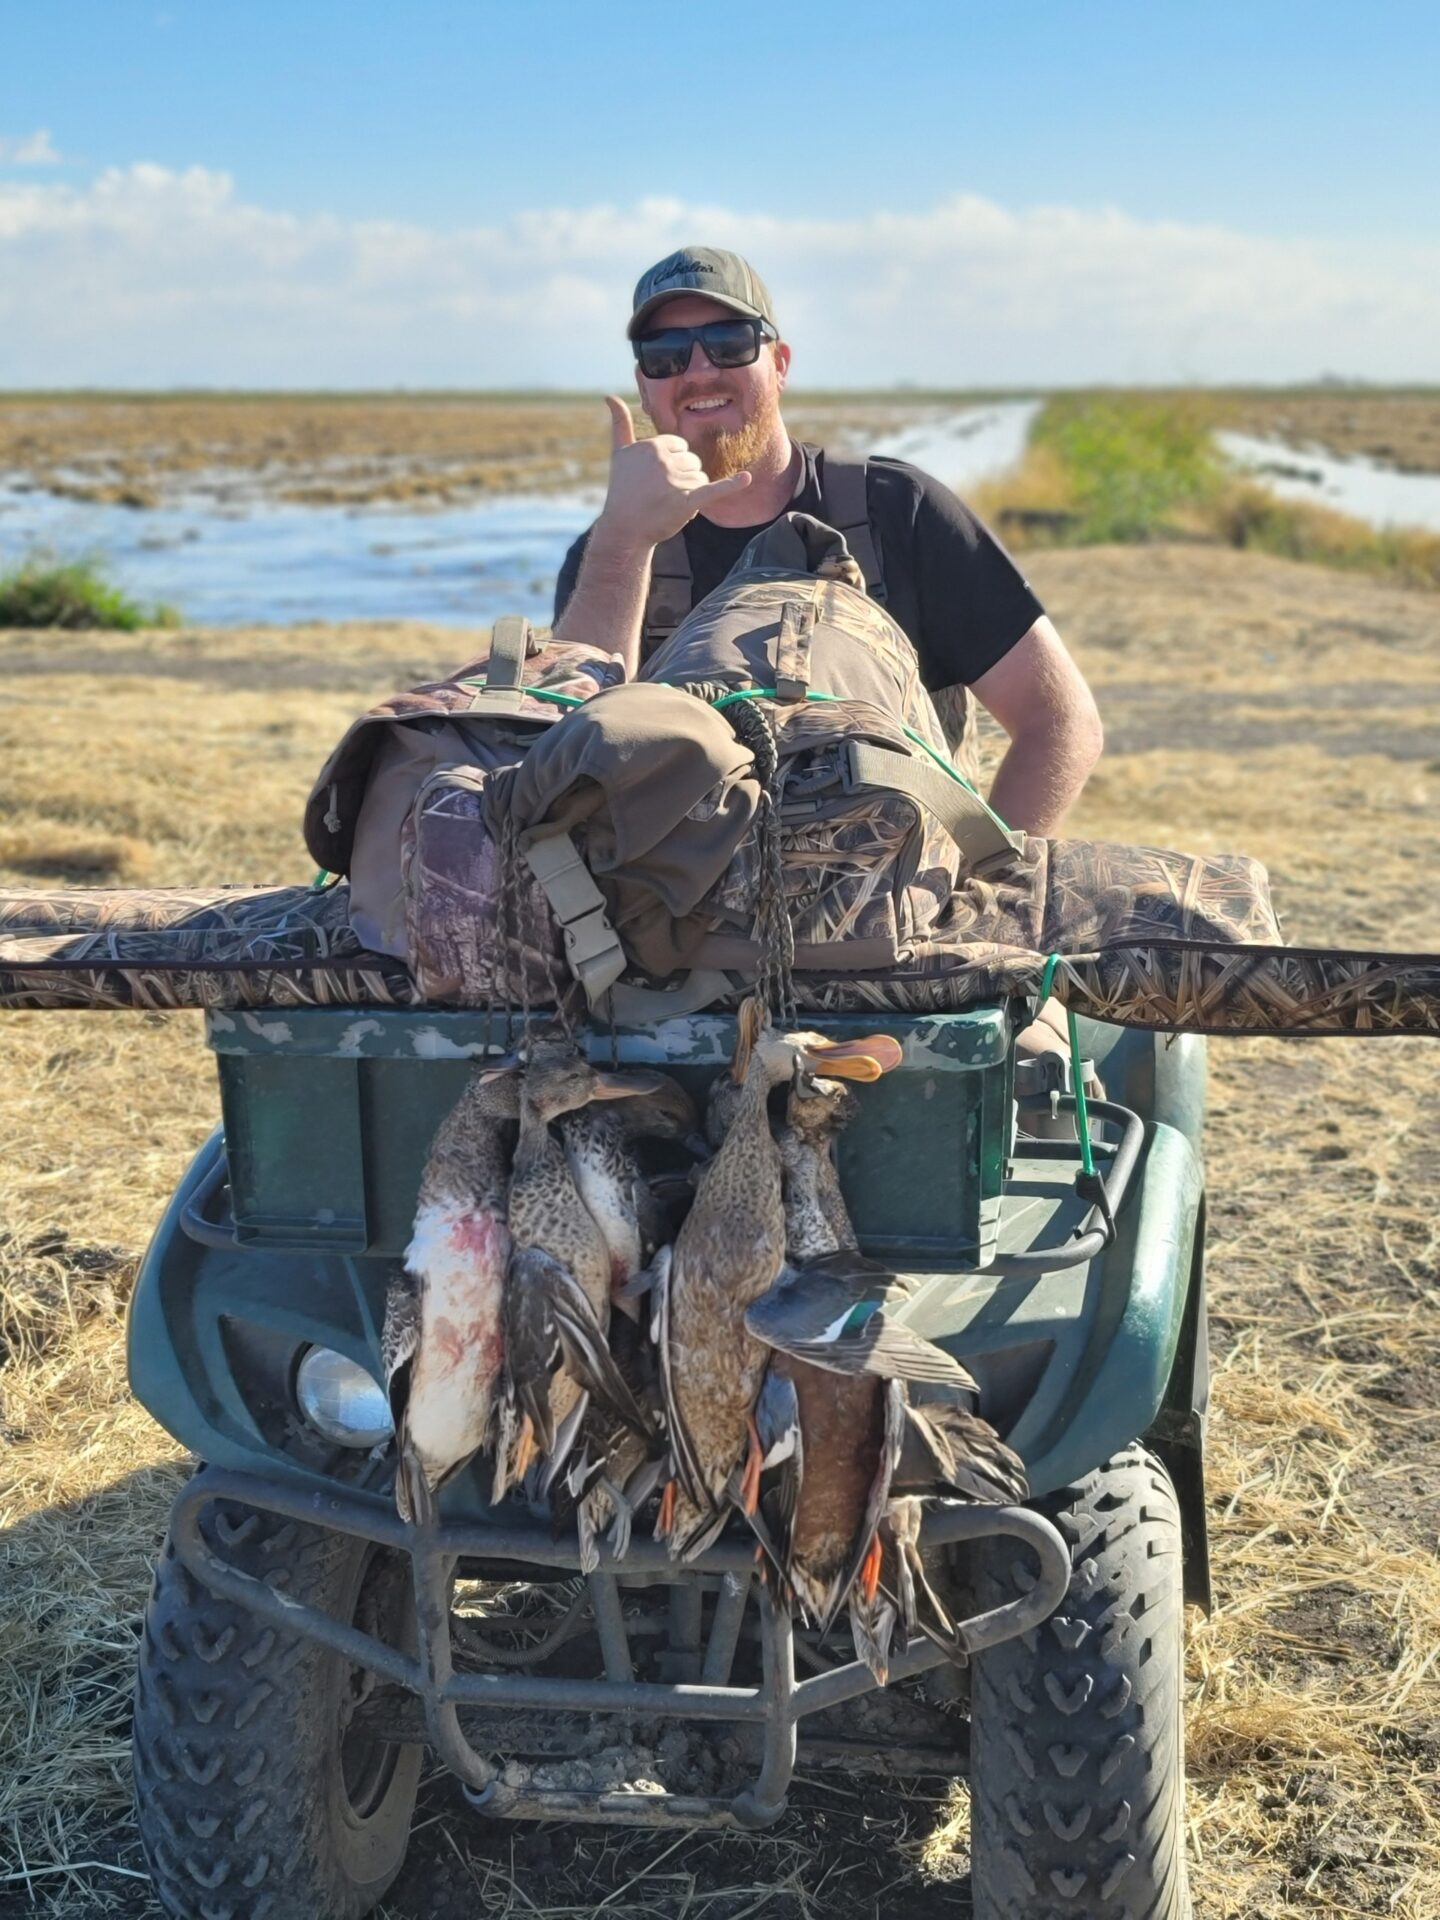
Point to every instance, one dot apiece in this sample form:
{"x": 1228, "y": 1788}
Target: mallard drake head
{"x": 666, "y": 1110}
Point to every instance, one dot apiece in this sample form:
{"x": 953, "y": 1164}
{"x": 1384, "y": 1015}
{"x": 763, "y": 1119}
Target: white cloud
{"x": 29, "y": 150}
{"x": 152, "y": 276}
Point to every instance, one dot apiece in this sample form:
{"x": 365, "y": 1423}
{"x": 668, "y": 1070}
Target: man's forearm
{"x": 607, "y": 607}
{"x": 1042, "y": 775}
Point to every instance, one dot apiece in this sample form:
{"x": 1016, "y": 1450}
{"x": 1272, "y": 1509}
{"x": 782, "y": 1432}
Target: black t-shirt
{"x": 948, "y": 581}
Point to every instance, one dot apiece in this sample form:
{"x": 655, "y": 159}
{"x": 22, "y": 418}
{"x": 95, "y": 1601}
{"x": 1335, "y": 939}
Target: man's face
{"x": 724, "y": 414}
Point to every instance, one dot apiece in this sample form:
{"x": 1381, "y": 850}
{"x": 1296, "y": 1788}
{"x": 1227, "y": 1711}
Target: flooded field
{"x": 1356, "y": 484}
{"x": 298, "y": 525}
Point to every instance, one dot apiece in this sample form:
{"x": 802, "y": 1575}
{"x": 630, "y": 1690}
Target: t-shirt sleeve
{"x": 569, "y": 574}
{"x": 974, "y": 602}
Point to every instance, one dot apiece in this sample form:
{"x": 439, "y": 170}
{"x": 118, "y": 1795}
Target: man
{"x": 710, "y": 368}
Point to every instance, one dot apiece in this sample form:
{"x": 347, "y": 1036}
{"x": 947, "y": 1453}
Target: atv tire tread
{"x": 234, "y": 1744}
{"x": 1077, "y": 1774}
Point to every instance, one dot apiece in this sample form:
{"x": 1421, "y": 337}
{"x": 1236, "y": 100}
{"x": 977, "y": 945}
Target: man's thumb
{"x": 717, "y": 489}
{"x": 622, "y": 427}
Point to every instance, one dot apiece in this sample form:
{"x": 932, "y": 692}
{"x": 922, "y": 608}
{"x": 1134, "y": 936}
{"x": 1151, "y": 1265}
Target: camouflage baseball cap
{"x": 719, "y": 276}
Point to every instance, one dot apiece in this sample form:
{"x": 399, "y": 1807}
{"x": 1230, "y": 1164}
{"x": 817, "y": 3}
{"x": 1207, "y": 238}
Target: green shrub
{"x": 1130, "y": 464}
{"x": 1132, "y": 467}
{"x": 46, "y": 591}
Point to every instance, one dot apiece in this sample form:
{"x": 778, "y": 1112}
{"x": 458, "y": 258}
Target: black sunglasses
{"x": 725, "y": 343}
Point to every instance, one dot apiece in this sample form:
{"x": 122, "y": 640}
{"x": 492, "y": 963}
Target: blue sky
{"x": 227, "y": 172}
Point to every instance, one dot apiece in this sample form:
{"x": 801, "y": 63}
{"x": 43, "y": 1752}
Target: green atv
{"x": 303, "y": 1645}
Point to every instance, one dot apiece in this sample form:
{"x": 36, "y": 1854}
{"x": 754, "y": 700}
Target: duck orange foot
{"x": 754, "y": 1466}
{"x": 870, "y": 1569}
{"x": 669, "y": 1500}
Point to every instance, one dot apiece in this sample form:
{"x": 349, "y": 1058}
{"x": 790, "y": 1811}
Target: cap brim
{"x": 640, "y": 319}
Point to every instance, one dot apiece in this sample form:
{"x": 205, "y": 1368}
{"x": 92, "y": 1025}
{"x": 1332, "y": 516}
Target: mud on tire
{"x": 252, "y": 1802}
{"x": 1077, "y": 1763}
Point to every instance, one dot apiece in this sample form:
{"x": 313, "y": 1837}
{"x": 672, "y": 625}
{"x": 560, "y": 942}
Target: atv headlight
{"x": 341, "y": 1399}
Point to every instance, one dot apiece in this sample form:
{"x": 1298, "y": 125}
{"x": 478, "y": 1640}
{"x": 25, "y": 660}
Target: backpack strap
{"x": 844, "y": 506}
{"x": 672, "y": 590}
{"x": 592, "y": 946}
{"x": 792, "y": 649}
{"x": 976, "y": 830}
{"x": 504, "y": 687}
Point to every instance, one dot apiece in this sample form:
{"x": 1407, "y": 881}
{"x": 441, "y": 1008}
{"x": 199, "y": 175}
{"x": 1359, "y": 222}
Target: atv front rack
{"x": 771, "y": 1711}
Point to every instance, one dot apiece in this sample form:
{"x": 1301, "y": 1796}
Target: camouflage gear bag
{"x": 396, "y": 807}
{"x": 875, "y": 826}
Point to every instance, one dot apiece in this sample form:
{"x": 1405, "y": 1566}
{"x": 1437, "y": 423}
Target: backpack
{"x": 639, "y": 815}
{"x": 875, "y": 825}
{"x": 396, "y": 807}
{"x": 844, "y": 505}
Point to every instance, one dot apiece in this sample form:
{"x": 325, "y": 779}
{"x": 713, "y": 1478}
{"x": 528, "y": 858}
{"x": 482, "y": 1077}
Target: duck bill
{"x": 487, "y": 1070}
{"x": 864, "y": 1059}
{"x": 749, "y": 1025}
{"x": 616, "y": 1086}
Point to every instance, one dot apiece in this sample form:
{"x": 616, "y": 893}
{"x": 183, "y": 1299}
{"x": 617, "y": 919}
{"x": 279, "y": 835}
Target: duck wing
{"x": 400, "y": 1339}
{"x": 777, "y": 1421}
{"x": 948, "y": 1451}
{"x": 549, "y": 1320}
{"x": 836, "y": 1312}
{"x": 683, "y": 1457}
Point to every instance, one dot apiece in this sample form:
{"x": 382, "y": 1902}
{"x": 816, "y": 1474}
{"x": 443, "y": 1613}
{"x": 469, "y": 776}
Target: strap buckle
{"x": 592, "y": 946}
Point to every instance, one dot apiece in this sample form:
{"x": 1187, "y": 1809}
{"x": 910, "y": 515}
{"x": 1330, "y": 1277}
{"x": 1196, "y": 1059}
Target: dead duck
{"x": 848, "y": 1413}
{"x": 729, "y": 1252}
{"x": 600, "y": 1148}
{"x": 442, "y": 1346}
{"x": 835, "y": 1416}
{"x": 816, "y": 1217}
{"x": 609, "y": 1457}
{"x": 557, "y": 1290}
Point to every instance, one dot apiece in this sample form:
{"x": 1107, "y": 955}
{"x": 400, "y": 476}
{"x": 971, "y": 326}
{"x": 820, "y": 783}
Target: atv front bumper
{"x": 772, "y": 1710}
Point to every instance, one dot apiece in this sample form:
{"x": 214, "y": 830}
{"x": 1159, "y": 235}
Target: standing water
{"x": 272, "y": 561}
{"x": 1359, "y": 486}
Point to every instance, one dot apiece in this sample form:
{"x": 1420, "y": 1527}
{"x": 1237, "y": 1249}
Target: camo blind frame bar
{"x": 249, "y": 949}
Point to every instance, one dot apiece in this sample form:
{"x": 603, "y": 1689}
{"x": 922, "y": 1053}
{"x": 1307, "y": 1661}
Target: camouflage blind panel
{"x": 1125, "y": 956}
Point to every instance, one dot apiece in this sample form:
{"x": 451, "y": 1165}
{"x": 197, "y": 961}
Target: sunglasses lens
{"x": 730, "y": 343}
{"x": 663, "y": 355}
{"x": 725, "y": 343}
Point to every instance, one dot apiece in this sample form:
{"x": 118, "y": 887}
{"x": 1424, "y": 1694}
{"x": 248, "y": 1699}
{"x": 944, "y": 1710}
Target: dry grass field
{"x": 1251, "y": 703}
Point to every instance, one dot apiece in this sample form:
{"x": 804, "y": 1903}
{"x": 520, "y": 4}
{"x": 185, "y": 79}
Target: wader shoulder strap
{"x": 844, "y": 506}
{"x": 976, "y": 831}
{"x": 504, "y": 687}
{"x": 671, "y": 592}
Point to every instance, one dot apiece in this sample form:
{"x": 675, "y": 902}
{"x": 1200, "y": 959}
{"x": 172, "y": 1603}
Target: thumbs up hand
{"x": 656, "y": 486}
